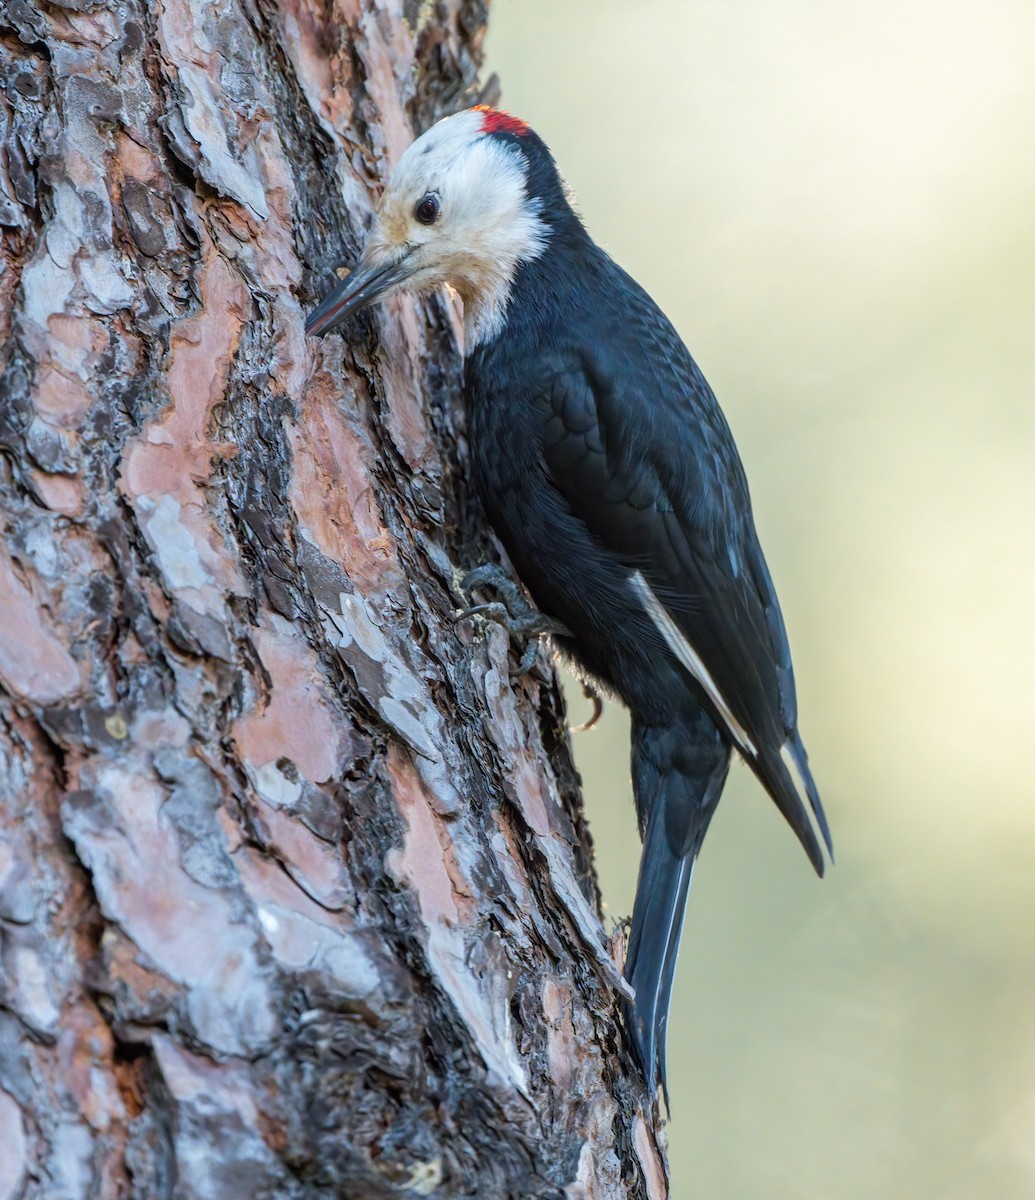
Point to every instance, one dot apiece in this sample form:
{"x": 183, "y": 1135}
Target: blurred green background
{"x": 836, "y": 205}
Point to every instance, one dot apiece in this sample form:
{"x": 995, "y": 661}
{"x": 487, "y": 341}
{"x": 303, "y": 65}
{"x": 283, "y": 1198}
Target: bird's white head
{"x": 456, "y": 211}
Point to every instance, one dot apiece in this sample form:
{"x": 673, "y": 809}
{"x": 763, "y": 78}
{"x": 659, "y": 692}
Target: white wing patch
{"x": 690, "y": 659}
{"x": 791, "y": 763}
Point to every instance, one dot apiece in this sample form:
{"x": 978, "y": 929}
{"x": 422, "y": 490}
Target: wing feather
{"x": 655, "y": 477}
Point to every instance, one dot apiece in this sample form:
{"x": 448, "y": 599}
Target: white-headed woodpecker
{"x": 610, "y": 475}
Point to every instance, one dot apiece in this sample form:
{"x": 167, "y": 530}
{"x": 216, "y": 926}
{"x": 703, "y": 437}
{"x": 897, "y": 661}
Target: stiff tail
{"x": 650, "y": 967}
{"x": 678, "y": 773}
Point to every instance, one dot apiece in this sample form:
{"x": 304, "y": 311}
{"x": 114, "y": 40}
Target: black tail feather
{"x": 678, "y": 773}
{"x": 657, "y": 925}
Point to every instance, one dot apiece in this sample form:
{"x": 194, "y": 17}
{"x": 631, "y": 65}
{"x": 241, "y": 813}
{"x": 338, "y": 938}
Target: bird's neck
{"x": 484, "y": 280}
{"x": 485, "y": 308}
{"x": 490, "y": 287}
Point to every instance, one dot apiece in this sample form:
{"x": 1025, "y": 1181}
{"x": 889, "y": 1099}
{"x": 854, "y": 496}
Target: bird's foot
{"x": 524, "y": 623}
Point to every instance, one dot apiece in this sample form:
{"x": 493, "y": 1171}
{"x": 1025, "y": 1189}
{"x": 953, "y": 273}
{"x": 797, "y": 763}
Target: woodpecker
{"x": 609, "y": 474}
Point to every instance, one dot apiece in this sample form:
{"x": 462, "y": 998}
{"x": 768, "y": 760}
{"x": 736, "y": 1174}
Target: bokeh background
{"x": 836, "y": 204}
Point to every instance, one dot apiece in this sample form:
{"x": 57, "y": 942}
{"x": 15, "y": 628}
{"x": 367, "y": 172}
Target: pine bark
{"x": 296, "y": 897}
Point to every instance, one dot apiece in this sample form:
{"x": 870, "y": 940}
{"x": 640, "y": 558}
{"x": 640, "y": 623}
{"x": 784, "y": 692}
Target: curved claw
{"x": 595, "y": 698}
{"x": 523, "y": 622}
{"x": 493, "y": 611}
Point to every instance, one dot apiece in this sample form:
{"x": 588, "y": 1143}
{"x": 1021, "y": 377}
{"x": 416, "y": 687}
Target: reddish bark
{"x": 295, "y": 892}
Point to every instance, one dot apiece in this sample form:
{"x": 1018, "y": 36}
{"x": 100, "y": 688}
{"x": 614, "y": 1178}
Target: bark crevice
{"x": 296, "y": 892}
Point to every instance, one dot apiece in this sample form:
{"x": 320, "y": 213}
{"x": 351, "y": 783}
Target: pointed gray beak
{"x": 369, "y": 282}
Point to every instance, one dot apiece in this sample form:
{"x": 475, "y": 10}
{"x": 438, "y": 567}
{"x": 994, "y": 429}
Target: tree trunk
{"x": 296, "y": 898}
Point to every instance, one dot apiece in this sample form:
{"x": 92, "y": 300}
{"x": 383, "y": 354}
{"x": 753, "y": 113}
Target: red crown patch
{"x": 495, "y": 120}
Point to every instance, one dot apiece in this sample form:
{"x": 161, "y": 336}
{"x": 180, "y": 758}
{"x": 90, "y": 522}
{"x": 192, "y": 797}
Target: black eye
{"x": 427, "y": 210}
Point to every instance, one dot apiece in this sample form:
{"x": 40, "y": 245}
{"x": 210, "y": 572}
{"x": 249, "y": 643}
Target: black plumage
{"x": 600, "y": 452}
{"x": 611, "y": 477}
